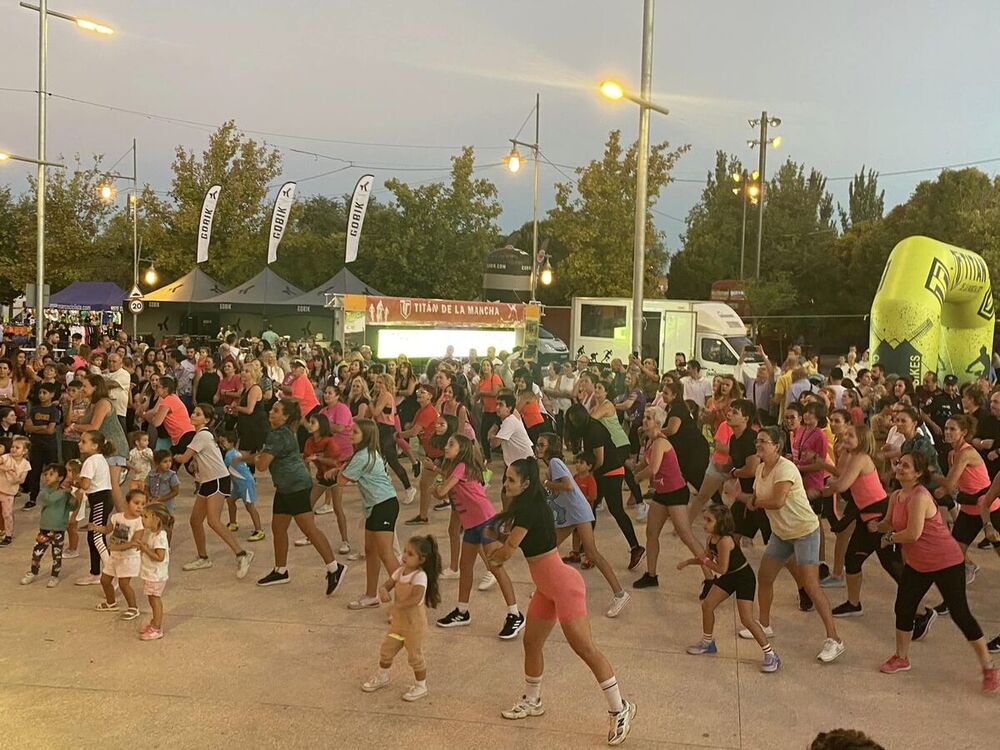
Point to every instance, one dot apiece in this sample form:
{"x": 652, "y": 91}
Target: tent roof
{"x": 344, "y": 282}
{"x": 191, "y": 287}
{"x": 89, "y": 295}
{"x": 266, "y": 288}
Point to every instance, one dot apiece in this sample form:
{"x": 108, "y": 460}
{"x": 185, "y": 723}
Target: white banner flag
{"x": 356, "y": 216}
{"x": 205, "y": 223}
{"x": 279, "y": 219}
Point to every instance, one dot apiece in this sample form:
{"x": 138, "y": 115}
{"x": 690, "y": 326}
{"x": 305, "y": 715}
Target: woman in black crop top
{"x": 560, "y": 595}
{"x": 733, "y": 575}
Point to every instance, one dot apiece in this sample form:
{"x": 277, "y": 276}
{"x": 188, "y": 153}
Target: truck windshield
{"x": 739, "y": 343}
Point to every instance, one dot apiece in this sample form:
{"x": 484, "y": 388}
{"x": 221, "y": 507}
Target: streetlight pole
{"x": 743, "y": 232}
{"x": 132, "y": 207}
{"x": 641, "y": 174}
{"x": 747, "y": 185}
{"x": 763, "y": 142}
{"x": 513, "y": 161}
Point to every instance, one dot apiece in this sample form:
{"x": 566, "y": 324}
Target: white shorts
{"x": 120, "y": 566}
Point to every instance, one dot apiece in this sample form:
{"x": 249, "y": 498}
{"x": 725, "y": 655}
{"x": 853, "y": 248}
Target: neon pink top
{"x": 474, "y": 508}
{"x": 936, "y": 549}
{"x": 810, "y": 440}
{"x": 176, "y": 422}
{"x": 722, "y": 435}
{"x": 866, "y": 491}
{"x": 668, "y": 478}
{"x": 340, "y": 413}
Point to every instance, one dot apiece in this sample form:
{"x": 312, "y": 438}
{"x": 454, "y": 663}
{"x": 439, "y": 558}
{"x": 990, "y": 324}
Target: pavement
{"x": 281, "y": 667}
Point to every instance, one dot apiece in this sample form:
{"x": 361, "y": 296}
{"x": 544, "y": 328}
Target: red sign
{"x": 416, "y": 311}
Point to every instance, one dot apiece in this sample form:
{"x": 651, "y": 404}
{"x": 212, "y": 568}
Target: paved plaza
{"x": 281, "y": 667}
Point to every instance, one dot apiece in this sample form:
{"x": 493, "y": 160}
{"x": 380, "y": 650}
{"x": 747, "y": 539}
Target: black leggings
{"x": 486, "y": 423}
{"x": 913, "y": 585}
{"x": 387, "y": 440}
{"x": 100, "y": 511}
{"x": 610, "y": 488}
{"x": 864, "y": 542}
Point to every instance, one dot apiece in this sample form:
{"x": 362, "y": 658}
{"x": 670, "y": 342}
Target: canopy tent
{"x": 191, "y": 287}
{"x": 88, "y": 295}
{"x": 344, "y": 282}
{"x": 266, "y": 288}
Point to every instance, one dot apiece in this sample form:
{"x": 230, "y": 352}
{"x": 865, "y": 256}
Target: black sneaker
{"x": 824, "y": 571}
{"x": 848, "y": 610}
{"x": 922, "y": 624}
{"x": 29, "y": 505}
{"x": 805, "y": 603}
{"x": 706, "y": 586}
{"x": 273, "y": 578}
{"x": 443, "y": 505}
{"x": 942, "y": 609}
{"x": 454, "y": 619}
{"x": 6, "y": 541}
{"x": 416, "y": 469}
{"x": 511, "y": 626}
{"x": 334, "y": 579}
{"x": 985, "y": 544}
{"x": 646, "y": 582}
{"x": 994, "y": 646}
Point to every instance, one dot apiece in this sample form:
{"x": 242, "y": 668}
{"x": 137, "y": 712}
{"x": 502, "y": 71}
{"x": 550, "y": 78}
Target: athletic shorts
{"x": 676, "y": 497}
{"x": 292, "y": 503}
{"x": 383, "y": 516}
{"x": 325, "y": 482}
{"x": 749, "y": 522}
{"x": 222, "y": 485}
{"x": 560, "y": 593}
{"x": 741, "y": 582}
{"x": 478, "y": 534}
{"x": 118, "y": 565}
{"x": 805, "y": 549}
{"x": 968, "y": 526}
{"x": 153, "y": 588}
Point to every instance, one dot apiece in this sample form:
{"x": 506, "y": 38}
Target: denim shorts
{"x": 712, "y": 473}
{"x": 805, "y": 548}
{"x": 478, "y": 535}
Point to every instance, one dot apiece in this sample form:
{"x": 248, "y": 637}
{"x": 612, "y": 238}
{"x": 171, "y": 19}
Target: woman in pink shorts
{"x": 560, "y": 595}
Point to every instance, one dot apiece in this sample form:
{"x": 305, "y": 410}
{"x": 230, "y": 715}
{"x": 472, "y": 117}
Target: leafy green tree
{"x": 864, "y": 200}
{"x": 11, "y": 220}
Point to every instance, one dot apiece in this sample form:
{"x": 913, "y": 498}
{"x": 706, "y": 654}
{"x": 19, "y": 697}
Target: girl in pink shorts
{"x": 154, "y": 570}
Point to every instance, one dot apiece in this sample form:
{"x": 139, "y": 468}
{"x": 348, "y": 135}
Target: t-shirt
{"x": 796, "y": 518}
{"x": 514, "y": 441}
{"x": 208, "y": 386}
{"x": 699, "y": 390}
{"x": 372, "y": 479}
{"x": 150, "y": 569}
{"x": 95, "y": 468}
{"x": 811, "y": 441}
{"x": 324, "y": 447}
{"x": 588, "y": 486}
{"x": 340, "y": 413}
{"x": 415, "y": 579}
{"x": 177, "y": 423}
{"x": 566, "y": 498}
{"x": 485, "y": 386}
{"x": 120, "y": 396}
{"x": 537, "y": 518}
{"x": 14, "y": 472}
{"x": 244, "y": 483}
{"x": 469, "y": 496}
{"x": 159, "y": 485}
{"x": 122, "y": 531}
{"x": 288, "y": 470}
{"x": 425, "y": 418}
{"x": 55, "y": 505}
{"x": 740, "y": 449}
{"x": 302, "y": 390}
{"x": 208, "y": 463}
{"x": 596, "y": 435}
{"x": 234, "y": 385}
{"x": 41, "y": 416}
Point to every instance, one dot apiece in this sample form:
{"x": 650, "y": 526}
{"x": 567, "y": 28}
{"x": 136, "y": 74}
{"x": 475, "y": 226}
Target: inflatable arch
{"x": 933, "y": 310}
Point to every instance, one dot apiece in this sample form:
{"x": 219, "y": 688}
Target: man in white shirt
{"x": 510, "y": 437}
{"x": 696, "y": 387}
{"x": 121, "y": 395}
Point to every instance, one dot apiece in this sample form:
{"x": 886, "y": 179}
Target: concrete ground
{"x": 281, "y": 667}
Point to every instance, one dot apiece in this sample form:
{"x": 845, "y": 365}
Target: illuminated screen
{"x": 419, "y": 343}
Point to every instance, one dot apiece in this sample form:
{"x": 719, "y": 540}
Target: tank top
{"x": 668, "y": 477}
{"x": 614, "y": 428}
{"x": 975, "y": 480}
{"x": 531, "y": 414}
{"x": 736, "y": 558}
{"x": 387, "y": 414}
{"x": 868, "y": 494}
{"x": 112, "y": 431}
{"x": 255, "y": 420}
{"x": 936, "y": 549}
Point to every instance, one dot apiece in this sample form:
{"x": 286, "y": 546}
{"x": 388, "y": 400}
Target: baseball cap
{"x": 950, "y": 380}
{"x": 298, "y": 363}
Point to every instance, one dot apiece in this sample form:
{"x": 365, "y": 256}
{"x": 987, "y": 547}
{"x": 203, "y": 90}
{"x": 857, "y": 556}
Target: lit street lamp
{"x": 545, "y": 276}
{"x": 43, "y": 54}
{"x": 514, "y": 161}
{"x": 747, "y": 185}
{"x": 763, "y": 142}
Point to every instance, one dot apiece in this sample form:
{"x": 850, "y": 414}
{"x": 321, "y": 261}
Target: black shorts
{"x": 292, "y": 503}
{"x": 741, "y": 582}
{"x": 182, "y": 444}
{"x": 823, "y": 507}
{"x": 749, "y": 522}
{"x": 383, "y": 517}
{"x": 676, "y": 497}
{"x": 968, "y": 526}
{"x": 223, "y": 485}
{"x": 323, "y": 482}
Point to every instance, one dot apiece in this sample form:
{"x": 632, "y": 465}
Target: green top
{"x": 55, "y": 504}
{"x": 112, "y": 430}
{"x": 288, "y": 470}
{"x": 614, "y": 428}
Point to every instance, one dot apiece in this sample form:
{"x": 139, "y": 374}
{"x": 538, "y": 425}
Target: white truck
{"x": 710, "y": 332}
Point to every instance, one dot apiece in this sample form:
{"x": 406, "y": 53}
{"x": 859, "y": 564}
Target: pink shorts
{"x": 560, "y": 593}
{"x": 153, "y": 588}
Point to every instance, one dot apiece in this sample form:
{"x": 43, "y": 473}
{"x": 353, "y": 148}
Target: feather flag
{"x": 356, "y": 216}
{"x": 205, "y": 223}
{"x": 279, "y": 219}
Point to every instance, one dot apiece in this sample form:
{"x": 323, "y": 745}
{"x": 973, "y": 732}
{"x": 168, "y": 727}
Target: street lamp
{"x": 514, "y": 161}
{"x": 545, "y": 275}
{"x": 151, "y": 275}
{"x": 108, "y": 191}
{"x": 43, "y": 54}
{"x": 747, "y": 185}
{"x": 763, "y": 142}
{"x": 615, "y": 91}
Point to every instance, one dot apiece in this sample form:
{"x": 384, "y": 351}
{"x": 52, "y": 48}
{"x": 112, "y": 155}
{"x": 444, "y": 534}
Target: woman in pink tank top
{"x": 931, "y": 558}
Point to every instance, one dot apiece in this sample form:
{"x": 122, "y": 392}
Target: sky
{"x": 397, "y": 86}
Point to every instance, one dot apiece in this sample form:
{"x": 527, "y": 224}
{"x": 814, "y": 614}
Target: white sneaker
{"x": 415, "y": 693}
{"x": 618, "y": 604}
{"x": 376, "y": 682}
{"x": 53, "y": 582}
{"x": 344, "y": 549}
{"x": 487, "y": 582}
{"x": 29, "y": 577}
{"x": 747, "y": 635}
{"x": 303, "y": 542}
{"x": 359, "y": 555}
{"x": 88, "y": 580}
{"x": 69, "y": 554}
{"x": 323, "y": 510}
{"x": 199, "y": 563}
{"x": 409, "y": 496}
{"x": 523, "y": 709}
{"x": 641, "y": 511}
{"x": 243, "y": 564}
{"x": 621, "y": 723}
{"x": 364, "y": 602}
{"x": 449, "y": 573}
{"x": 831, "y": 650}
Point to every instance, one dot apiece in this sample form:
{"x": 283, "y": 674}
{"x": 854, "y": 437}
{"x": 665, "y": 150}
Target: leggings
{"x": 100, "y": 511}
{"x": 387, "y": 439}
{"x": 633, "y": 485}
{"x": 42, "y": 542}
{"x": 610, "y": 488}
{"x": 951, "y": 583}
{"x": 488, "y": 421}
{"x": 864, "y": 542}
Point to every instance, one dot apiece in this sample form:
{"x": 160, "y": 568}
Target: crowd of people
{"x": 96, "y": 433}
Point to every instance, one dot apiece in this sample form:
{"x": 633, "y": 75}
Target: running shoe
{"x": 233, "y": 527}
{"x": 994, "y": 646}
{"x": 621, "y": 723}
{"x": 984, "y": 544}
{"x": 523, "y": 709}
{"x": 805, "y": 603}
{"x": 29, "y": 505}
{"x": 53, "y": 582}
{"x": 832, "y": 582}
{"x": 360, "y": 555}
{"x": 830, "y": 651}
{"x": 970, "y": 572}
{"x": 344, "y": 548}
{"x": 641, "y": 512}
{"x": 410, "y": 495}
{"x": 415, "y": 468}
{"x": 29, "y": 577}
{"x": 303, "y": 542}
{"x": 895, "y": 664}
{"x": 942, "y": 609}
{"x": 6, "y": 541}
{"x": 274, "y": 578}
{"x": 443, "y": 505}
{"x": 487, "y": 582}
{"x": 376, "y": 682}
{"x": 323, "y": 510}
{"x": 771, "y": 663}
{"x": 848, "y": 610}
{"x": 69, "y": 554}
{"x": 706, "y": 586}
{"x": 646, "y": 581}
{"x": 417, "y": 521}
{"x": 335, "y": 578}
{"x": 991, "y": 680}
{"x": 151, "y": 634}
{"x": 513, "y": 625}
{"x": 618, "y": 603}
{"x": 243, "y": 561}
{"x": 922, "y": 624}
{"x": 636, "y": 556}
{"x": 257, "y": 536}
{"x": 702, "y": 647}
{"x": 824, "y": 571}
{"x": 199, "y": 563}
{"x": 447, "y": 573}
{"x": 455, "y": 618}
{"x": 364, "y": 603}
{"x": 746, "y": 635}
{"x": 415, "y": 693}
{"x": 88, "y": 580}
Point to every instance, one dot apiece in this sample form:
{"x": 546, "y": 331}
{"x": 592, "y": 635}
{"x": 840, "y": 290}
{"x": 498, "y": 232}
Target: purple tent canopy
{"x": 88, "y": 295}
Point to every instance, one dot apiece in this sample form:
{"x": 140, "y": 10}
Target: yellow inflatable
{"x": 933, "y": 311}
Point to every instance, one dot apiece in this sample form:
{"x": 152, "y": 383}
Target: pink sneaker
{"x": 895, "y": 664}
{"x": 991, "y": 680}
{"x": 150, "y": 634}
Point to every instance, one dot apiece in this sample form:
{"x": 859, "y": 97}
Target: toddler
{"x": 73, "y": 467}
{"x": 243, "y": 486}
{"x": 140, "y": 460}
{"x": 584, "y": 478}
{"x": 14, "y": 468}
{"x": 124, "y": 562}
{"x": 154, "y": 568}
{"x": 57, "y": 504}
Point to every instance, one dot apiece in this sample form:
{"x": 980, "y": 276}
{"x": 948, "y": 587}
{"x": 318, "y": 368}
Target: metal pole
{"x": 135, "y": 233}
{"x": 639, "y": 249}
{"x": 763, "y": 182}
{"x": 43, "y": 51}
{"x": 743, "y": 234}
{"x": 534, "y": 218}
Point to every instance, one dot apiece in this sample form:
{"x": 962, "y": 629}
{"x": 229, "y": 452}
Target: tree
{"x": 865, "y": 201}
{"x": 11, "y": 220}
{"x": 594, "y": 220}
{"x": 312, "y": 249}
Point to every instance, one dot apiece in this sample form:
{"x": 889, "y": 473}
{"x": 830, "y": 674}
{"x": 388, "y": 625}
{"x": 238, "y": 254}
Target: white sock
{"x": 383, "y": 673}
{"x": 463, "y": 607}
{"x": 512, "y": 609}
{"x": 612, "y": 695}
{"x": 533, "y": 688}
{"x": 421, "y": 683}
{"x": 281, "y": 570}
{"x": 332, "y": 567}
